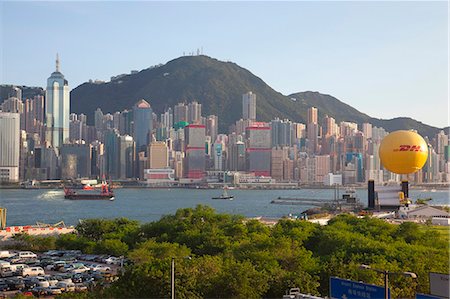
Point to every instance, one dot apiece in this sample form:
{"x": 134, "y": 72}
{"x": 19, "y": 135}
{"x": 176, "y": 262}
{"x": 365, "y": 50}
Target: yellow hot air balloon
{"x": 403, "y": 152}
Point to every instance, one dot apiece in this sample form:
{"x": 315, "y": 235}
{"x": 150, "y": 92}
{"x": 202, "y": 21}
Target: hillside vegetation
{"x": 232, "y": 257}
{"x": 218, "y": 86}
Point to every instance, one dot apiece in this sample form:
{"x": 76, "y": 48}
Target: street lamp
{"x": 172, "y": 274}
{"x": 386, "y": 274}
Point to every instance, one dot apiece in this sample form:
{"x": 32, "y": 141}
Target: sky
{"x": 386, "y": 59}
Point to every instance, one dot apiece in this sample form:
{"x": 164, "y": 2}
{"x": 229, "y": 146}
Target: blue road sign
{"x": 426, "y": 296}
{"x": 349, "y": 289}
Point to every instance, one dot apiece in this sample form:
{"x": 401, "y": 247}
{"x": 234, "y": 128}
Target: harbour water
{"x": 25, "y": 207}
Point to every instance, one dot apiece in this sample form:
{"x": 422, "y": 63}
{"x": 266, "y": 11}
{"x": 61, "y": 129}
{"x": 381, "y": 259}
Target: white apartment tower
{"x": 57, "y": 108}
{"x": 249, "y": 106}
{"x": 9, "y": 146}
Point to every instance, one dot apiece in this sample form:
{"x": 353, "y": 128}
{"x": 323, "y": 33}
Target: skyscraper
{"x": 313, "y": 131}
{"x": 195, "y": 151}
{"x": 158, "y": 155}
{"x": 312, "y": 115}
{"x": 259, "y": 149}
{"x": 9, "y": 146}
{"x": 180, "y": 113}
{"x": 212, "y": 123}
{"x": 143, "y": 124}
{"x": 57, "y": 108}
{"x": 249, "y": 106}
{"x": 194, "y": 112}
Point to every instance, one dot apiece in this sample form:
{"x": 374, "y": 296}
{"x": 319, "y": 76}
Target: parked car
{"x": 15, "y": 283}
{"x": 67, "y": 277}
{"x": 80, "y": 269}
{"x": 6, "y": 253}
{"x": 26, "y": 255}
{"x": 4, "y": 287}
{"x": 6, "y": 271}
{"x": 79, "y": 287}
{"x": 52, "y": 281}
{"x": 29, "y": 284}
{"x": 40, "y": 281}
{"x": 53, "y": 290}
{"x": 113, "y": 260}
{"x": 77, "y": 277}
{"x": 33, "y": 271}
{"x": 56, "y": 266}
{"x": 100, "y": 268}
{"x": 70, "y": 267}
{"x": 17, "y": 268}
{"x": 66, "y": 286}
{"x": 39, "y": 291}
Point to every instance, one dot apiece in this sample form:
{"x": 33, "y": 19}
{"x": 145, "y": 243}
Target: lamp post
{"x": 386, "y": 274}
{"x": 172, "y": 276}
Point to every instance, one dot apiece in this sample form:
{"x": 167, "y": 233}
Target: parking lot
{"x": 55, "y": 272}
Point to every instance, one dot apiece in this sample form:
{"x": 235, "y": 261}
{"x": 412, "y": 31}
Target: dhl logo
{"x": 409, "y": 148}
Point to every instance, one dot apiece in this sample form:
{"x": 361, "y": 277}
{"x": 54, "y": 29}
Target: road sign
{"x": 349, "y": 289}
{"x": 426, "y": 296}
{"x": 440, "y": 284}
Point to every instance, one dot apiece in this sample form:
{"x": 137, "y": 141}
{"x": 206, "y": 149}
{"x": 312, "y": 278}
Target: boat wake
{"x": 52, "y": 195}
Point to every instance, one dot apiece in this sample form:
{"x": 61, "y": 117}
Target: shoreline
{"x": 252, "y": 187}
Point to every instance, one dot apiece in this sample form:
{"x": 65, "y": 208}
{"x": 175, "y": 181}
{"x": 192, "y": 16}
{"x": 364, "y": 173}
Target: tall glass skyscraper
{"x": 57, "y": 108}
{"x": 143, "y": 124}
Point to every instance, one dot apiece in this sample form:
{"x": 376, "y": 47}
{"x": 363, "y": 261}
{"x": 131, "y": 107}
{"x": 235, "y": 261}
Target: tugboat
{"x": 105, "y": 194}
{"x": 224, "y": 195}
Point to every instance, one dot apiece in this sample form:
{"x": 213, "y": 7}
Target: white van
{"x": 17, "y": 268}
{"x": 4, "y": 263}
{"x": 27, "y": 255}
{"x": 5, "y": 253}
{"x": 33, "y": 271}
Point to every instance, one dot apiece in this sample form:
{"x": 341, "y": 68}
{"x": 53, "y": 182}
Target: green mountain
{"x": 218, "y": 86}
{"x": 327, "y": 104}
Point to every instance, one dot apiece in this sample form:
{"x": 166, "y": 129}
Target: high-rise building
{"x": 180, "y": 113}
{"x": 57, "y": 108}
{"x": 249, "y": 106}
{"x": 75, "y": 161}
{"x": 367, "y": 130}
{"x": 15, "y": 105}
{"x": 322, "y": 166}
{"x": 329, "y": 126}
{"x": 9, "y": 146}
{"x": 212, "y": 123}
{"x": 167, "y": 119}
{"x": 281, "y": 131}
{"x": 34, "y": 115}
{"x": 277, "y": 159}
{"x": 158, "y": 155}
{"x": 313, "y": 115}
{"x": 236, "y": 156}
{"x": 112, "y": 153}
{"x": 194, "y": 112}
{"x": 259, "y": 149}
{"x": 195, "y": 151}
{"x": 126, "y": 157}
{"x": 313, "y": 131}
{"x": 143, "y": 124}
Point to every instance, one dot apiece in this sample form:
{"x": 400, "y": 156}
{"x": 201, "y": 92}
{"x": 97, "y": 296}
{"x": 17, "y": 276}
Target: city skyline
{"x": 370, "y": 65}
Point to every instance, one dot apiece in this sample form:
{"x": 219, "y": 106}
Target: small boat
{"x": 224, "y": 195}
{"x": 105, "y": 194}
